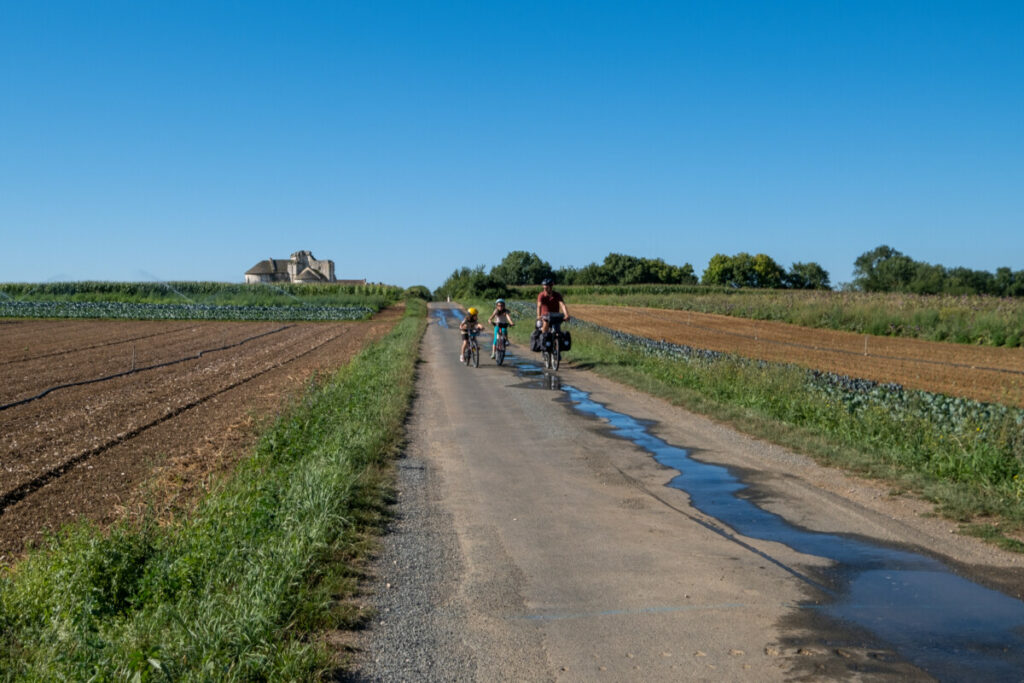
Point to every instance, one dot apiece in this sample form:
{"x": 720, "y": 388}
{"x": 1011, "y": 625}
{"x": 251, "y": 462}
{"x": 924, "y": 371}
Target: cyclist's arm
{"x": 565, "y": 310}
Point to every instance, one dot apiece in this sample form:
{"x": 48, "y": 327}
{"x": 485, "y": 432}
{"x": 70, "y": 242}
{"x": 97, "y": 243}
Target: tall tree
{"x": 807, "y": 276}
{"x": 718, "y": 271}
{"x": 521, "y": 268}
{"x": 767, "y": 273}
{"x": 883, "y": 269}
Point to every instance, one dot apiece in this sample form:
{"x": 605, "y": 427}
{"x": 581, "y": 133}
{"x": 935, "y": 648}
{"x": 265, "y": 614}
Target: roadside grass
{"x": 970, "y": 465}
{"x": 243, "y": 588}
{"x": 984, "y": 320}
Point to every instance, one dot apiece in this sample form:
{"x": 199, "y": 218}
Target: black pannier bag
{"x": 535, "y": 341}
{"x": 566, "y": 340}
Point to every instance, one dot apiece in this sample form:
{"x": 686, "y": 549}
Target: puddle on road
{"x": 953, "y": 628}
{"x": 448, "y": 317}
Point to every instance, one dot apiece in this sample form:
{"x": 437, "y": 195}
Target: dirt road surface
{"x": 531, "y": 544}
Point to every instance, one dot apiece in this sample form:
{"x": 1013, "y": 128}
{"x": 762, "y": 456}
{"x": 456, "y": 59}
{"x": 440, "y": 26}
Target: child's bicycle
{"x": 501, "y": 343}
{"x": 472, "y": 353}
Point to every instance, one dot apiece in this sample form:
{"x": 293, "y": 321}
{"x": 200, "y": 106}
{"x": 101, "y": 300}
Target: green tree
{"x": 744, "y": 270}
{"x": 592, "y": 274}
{"x": 767, "y": 273}
{"x": 621, "y": 269}
{"x": 807, "y": 276}
{"x": 521, "y": 268}
{"x": 883, "y": 269}
{"x": 719, "y": 271}
{"x": 471, "y": 282}
{"x": 566, "y": 275}
{"x": 928, "y": 279}
{"x": 418, "y": 291}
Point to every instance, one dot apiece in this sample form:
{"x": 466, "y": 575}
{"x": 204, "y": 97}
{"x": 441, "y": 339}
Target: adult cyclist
{"x": 551, "y": 308}
{"x": 502, "y": 317}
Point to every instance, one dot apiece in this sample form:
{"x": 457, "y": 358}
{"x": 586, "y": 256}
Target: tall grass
{"x": 234, "y": 592}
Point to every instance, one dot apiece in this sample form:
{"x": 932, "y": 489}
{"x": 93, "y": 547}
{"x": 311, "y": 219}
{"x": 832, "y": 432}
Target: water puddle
{"x": 448, "y": 317}
{"x": 953, "y": 628}
{"x": 534, "y": 373}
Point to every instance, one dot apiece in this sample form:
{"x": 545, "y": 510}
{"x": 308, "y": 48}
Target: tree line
{"x": 882, "y": 269}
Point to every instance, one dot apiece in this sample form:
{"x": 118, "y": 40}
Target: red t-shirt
{"x": 549, "y": 302}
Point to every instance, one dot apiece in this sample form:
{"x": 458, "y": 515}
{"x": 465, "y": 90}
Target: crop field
{"x": 982, "y": 373}
{"x": 100, "y": 417}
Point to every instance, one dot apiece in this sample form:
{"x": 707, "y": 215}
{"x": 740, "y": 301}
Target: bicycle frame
{"x": 500, "y": 342}
{"x": 553, "y": 357}
{"x": 472, "y": 352}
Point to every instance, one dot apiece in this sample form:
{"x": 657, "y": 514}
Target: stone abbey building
{"x": 301, "y": 267}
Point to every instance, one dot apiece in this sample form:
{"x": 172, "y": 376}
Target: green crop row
{"x": 142, "y": 311}
{"x": 237, "y": 590}
{"x": 375, "y": 296}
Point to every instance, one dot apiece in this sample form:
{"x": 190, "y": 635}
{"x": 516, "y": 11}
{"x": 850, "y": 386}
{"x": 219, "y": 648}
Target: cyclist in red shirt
{"x": 550, "y": 306}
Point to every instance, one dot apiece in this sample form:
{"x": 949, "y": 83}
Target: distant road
{"x": 532, "y": 545}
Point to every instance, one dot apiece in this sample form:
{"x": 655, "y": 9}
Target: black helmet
{"x": 547, "y": 281}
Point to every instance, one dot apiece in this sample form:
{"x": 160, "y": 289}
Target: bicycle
{"x": 501, "y": 343}
{"x": 551, "y": 345}
{"x": 472, "y": 352}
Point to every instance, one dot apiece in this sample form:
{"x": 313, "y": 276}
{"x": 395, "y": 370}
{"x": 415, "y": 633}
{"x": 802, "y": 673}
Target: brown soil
{"x": 160, "y": 409}
{"x": 980, "y": 372}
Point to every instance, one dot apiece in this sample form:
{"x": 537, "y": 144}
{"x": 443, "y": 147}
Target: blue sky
{"x": 184, "y": 140}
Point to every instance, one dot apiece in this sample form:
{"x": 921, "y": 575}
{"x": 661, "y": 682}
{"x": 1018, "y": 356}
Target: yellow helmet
{"x": 472, "y": 311}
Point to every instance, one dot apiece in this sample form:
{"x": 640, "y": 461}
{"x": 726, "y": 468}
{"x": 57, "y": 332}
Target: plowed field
{"x": 980, "y": 372}
{"x": 97, "y": 417}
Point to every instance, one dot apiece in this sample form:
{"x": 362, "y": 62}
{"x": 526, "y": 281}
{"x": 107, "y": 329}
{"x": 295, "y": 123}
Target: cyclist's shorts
{"x": 554, "y": 318}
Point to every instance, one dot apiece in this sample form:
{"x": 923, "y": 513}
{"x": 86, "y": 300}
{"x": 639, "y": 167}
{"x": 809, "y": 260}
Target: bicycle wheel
{"x": 466, "y": 355}
{"x": 499, "y": 351}
{"x": 556, "y": 355}
{"x": 476, "y": 356}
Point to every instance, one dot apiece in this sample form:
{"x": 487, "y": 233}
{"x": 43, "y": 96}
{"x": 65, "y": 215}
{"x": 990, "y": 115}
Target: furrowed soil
{"x": 100, "y": 419}
{"x": 983, "y": 373}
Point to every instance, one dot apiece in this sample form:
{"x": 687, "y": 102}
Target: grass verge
{"x": 239, "y": 590}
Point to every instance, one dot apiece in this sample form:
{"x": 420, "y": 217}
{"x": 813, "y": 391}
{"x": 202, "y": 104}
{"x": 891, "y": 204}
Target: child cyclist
{"x": 468, "y": 324}
{"x": 502, "y": 317}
